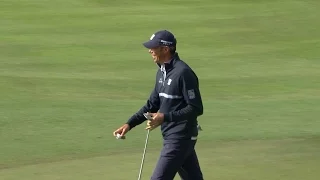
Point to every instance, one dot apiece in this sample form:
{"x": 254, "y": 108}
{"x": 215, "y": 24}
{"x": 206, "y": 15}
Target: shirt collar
{"x": 170, "y": 64}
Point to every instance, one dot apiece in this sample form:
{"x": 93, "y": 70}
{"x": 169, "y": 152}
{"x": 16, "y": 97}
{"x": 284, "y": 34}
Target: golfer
{"x": 175, "y": 103}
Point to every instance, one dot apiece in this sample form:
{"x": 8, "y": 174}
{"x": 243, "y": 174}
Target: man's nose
{"x": 150, "y": 51}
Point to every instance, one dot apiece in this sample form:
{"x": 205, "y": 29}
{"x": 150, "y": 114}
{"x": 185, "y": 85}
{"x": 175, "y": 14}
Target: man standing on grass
{"x": 175, "y": 103}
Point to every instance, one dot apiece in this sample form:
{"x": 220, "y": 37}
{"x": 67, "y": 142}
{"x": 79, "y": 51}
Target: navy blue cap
{"x": 161, "y": 38}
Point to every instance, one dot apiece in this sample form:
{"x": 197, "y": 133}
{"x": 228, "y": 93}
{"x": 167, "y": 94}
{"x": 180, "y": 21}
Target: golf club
{"x": 143, "y": 156}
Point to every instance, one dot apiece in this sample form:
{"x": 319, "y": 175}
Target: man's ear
{"x": 167, "y": 49}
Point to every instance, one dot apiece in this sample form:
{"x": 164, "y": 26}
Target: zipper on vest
{"x": 164, "y": 74}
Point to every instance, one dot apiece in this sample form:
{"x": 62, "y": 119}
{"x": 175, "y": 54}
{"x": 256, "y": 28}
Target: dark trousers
{"x": 178, "y": 156}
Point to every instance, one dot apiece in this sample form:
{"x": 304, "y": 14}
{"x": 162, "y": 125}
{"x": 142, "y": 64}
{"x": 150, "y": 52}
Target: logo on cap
{"x": 152, "y": 37}
{"x": 166, "y": 43}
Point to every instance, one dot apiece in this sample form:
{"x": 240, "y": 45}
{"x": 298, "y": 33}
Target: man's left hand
{"x": 157, "y": 120}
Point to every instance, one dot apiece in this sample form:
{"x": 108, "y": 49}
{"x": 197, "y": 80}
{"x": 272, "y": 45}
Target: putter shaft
{"x": 143, "y": 155}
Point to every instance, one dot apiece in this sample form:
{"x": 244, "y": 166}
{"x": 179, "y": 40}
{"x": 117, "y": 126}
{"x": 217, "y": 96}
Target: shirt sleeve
{"x": 190, "y": 90}
{"x": 152, "y": 105}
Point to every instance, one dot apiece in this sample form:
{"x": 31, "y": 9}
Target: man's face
{"x": 158, "y": 53}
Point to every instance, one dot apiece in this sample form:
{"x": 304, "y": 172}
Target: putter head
{"x": 147, "y": 115}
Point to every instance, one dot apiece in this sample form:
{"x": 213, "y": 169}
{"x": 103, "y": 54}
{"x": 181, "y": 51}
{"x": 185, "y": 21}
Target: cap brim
{"x": 150, "y": 44}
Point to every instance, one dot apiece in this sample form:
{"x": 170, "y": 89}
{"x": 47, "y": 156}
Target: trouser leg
{"x": 190, "y": 169}
{"x": 172, "y": 157}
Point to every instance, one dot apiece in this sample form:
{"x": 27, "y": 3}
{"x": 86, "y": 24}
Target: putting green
{"x": 71, "y": 72}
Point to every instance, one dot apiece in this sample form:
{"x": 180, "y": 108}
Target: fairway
{"x": 72, "y": 71}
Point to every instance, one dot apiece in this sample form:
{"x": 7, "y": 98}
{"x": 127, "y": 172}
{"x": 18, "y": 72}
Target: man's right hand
{"x": 122, "y": 130}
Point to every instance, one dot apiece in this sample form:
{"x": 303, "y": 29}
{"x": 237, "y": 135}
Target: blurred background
{"x": 72, "y": 71}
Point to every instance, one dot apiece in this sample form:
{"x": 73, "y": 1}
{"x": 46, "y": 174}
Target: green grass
{"x": 72, "y": 71}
